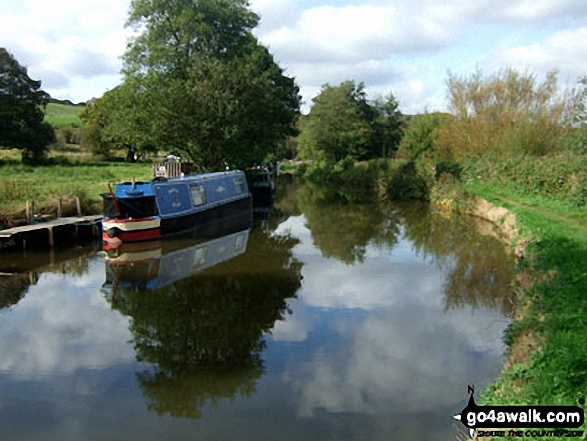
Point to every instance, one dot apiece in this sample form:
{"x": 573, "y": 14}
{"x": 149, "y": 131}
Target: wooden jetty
{"x": 61, "y": 232}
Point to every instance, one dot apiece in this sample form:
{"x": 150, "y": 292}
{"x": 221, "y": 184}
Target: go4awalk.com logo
{"x": 559, "y": 420}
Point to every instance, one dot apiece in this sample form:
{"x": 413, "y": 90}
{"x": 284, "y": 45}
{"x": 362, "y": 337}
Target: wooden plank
{"x": 50, "y": 224}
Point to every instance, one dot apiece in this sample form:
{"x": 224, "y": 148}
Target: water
{"x": 327, "y": 320}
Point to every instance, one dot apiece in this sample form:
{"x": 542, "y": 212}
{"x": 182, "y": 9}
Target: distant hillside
{"x": 63, "y": 113}
{"x": 65, "y": 102}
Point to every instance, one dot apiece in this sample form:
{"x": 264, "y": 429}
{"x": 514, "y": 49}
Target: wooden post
{"x": 51, "y": 241}
{"x": 78, "y": 206}
{"x": 28, "y": 211}
{"x": 59, "y": 207}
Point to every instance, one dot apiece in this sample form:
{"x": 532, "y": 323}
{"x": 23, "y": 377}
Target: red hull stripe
{"x": 133, "y": 236}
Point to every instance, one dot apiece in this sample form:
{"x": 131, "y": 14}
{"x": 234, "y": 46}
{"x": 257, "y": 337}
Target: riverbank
{"x": 547, "y": 361}
{"x": 67, "y": 180}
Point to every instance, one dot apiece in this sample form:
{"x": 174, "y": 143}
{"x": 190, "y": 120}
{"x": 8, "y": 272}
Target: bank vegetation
{"x": 520, "y": 143}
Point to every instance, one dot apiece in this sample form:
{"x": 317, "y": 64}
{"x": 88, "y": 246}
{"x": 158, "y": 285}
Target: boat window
{"x": 198, "y": 195}
{"x": 239, "y": 184}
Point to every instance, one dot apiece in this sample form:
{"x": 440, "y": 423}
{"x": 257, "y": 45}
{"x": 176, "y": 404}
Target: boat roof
{"x": 142, "y": 189}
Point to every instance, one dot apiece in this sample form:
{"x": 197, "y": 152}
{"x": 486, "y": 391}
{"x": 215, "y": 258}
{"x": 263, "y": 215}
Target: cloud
{"x": 355, "y": 33}
{"x": 385, "y": 44}
{"x": 408, "y": 46}
{"x": 528, "y": 11}
{"x": 565, "y": 50}
{"x": 382, "y": 361}
{"x": 63, "y": 42}
{"x": 48, "y": 333}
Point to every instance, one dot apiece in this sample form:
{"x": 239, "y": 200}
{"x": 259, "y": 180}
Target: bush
{"x": 562, "y": 176}
{"x": 504, "y": 113}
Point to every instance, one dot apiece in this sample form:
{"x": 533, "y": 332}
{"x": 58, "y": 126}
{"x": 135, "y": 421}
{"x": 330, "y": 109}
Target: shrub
{"x": 561, "y": 176}
{"x": 503, "y": 113}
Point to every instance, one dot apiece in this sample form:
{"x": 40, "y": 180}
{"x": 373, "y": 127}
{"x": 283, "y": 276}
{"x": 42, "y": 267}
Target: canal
{"x": 329, "y": 318}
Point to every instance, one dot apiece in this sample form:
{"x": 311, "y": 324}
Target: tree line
{"x": 197, "y": 83}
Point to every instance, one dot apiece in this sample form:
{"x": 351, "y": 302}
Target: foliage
{"x": 343, "y": 124}
{"x": 380, "y": 178}
{"x": 21, "y": 111}
{"x": 92, "y": 136}
{"x": 421, "y": 135}
{"x": 576, "y": 140}
{"x": 389, "y": 126}
{"x": 562, "y": 176}
{"x": 506, "y": 112}
{"x": 198, "y": 83}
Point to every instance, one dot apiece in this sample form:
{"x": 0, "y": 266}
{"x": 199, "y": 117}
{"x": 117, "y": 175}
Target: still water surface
{"x": 325, "y": 320}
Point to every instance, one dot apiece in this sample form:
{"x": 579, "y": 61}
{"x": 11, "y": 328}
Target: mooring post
{"x": 29, "y": 211}
{"x": 51, "y": 241}
{"x": 78, "y": 206}
{"x": 59, "y": 207}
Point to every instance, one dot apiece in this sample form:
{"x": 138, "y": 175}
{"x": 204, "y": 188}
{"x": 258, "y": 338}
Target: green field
{"x": 46, "y": 184}
{"x": 62, "y": 115}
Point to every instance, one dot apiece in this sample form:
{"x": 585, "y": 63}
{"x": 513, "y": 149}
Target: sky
{"x": 403, "y": 47}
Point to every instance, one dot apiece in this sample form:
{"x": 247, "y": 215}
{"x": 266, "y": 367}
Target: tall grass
{"x": 45, "y": 184}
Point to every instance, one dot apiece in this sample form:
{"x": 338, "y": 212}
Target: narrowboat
{"x": 261, "y": 184}
{"x": 171, "y": 203}
{"x": 156, "y": 264}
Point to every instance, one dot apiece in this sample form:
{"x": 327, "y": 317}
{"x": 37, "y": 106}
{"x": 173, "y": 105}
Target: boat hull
{"x": 206, "y": 222}
{"x": 140, "y": 211}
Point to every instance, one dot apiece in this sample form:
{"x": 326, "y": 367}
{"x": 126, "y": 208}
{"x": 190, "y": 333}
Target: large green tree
{"x": 197, "y": 82}
{"x": 342, "y": 123}
{"x": 21, "y": 111}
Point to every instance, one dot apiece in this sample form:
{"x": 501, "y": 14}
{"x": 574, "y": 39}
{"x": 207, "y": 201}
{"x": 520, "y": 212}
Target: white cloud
{"x": 49, "y": 333}
{"x": 74, "y": 48}
{"x": 62, "y": 42}
{"x": 382, "y": 362}
{"x": 529, "y": 11}
{"x": 355, "y": 33}
{"x": 565, "y": 51}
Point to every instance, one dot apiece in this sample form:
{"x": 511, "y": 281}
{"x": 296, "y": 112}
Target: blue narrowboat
{"x": 137, "y": 211}
{"x": 152, "y": 265}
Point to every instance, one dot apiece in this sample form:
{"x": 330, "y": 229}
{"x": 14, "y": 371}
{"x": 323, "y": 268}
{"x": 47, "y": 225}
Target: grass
{"x": 552, "y": 318}
{"x": 63, "y": 115}
{"x": 45, "y": 184}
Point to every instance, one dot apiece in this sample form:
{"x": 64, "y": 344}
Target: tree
{"x": 114, "y": 121}
{"x": 421, "y": 135}
{"x": 21, "y": 111}
{"x": 342, "y": 123}
{"x": 202, "y": 85}
{"x": 389, "y": 126}
{"x": 94, "y": 120}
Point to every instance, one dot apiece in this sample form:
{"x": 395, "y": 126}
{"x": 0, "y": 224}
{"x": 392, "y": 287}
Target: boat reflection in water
{"x": 155, "y": 264}
{"x": 200, "y": 308}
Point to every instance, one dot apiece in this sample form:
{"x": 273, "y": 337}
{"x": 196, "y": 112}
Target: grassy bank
{"x": 45, "y": 184}
{"x": 547, "y": 360}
